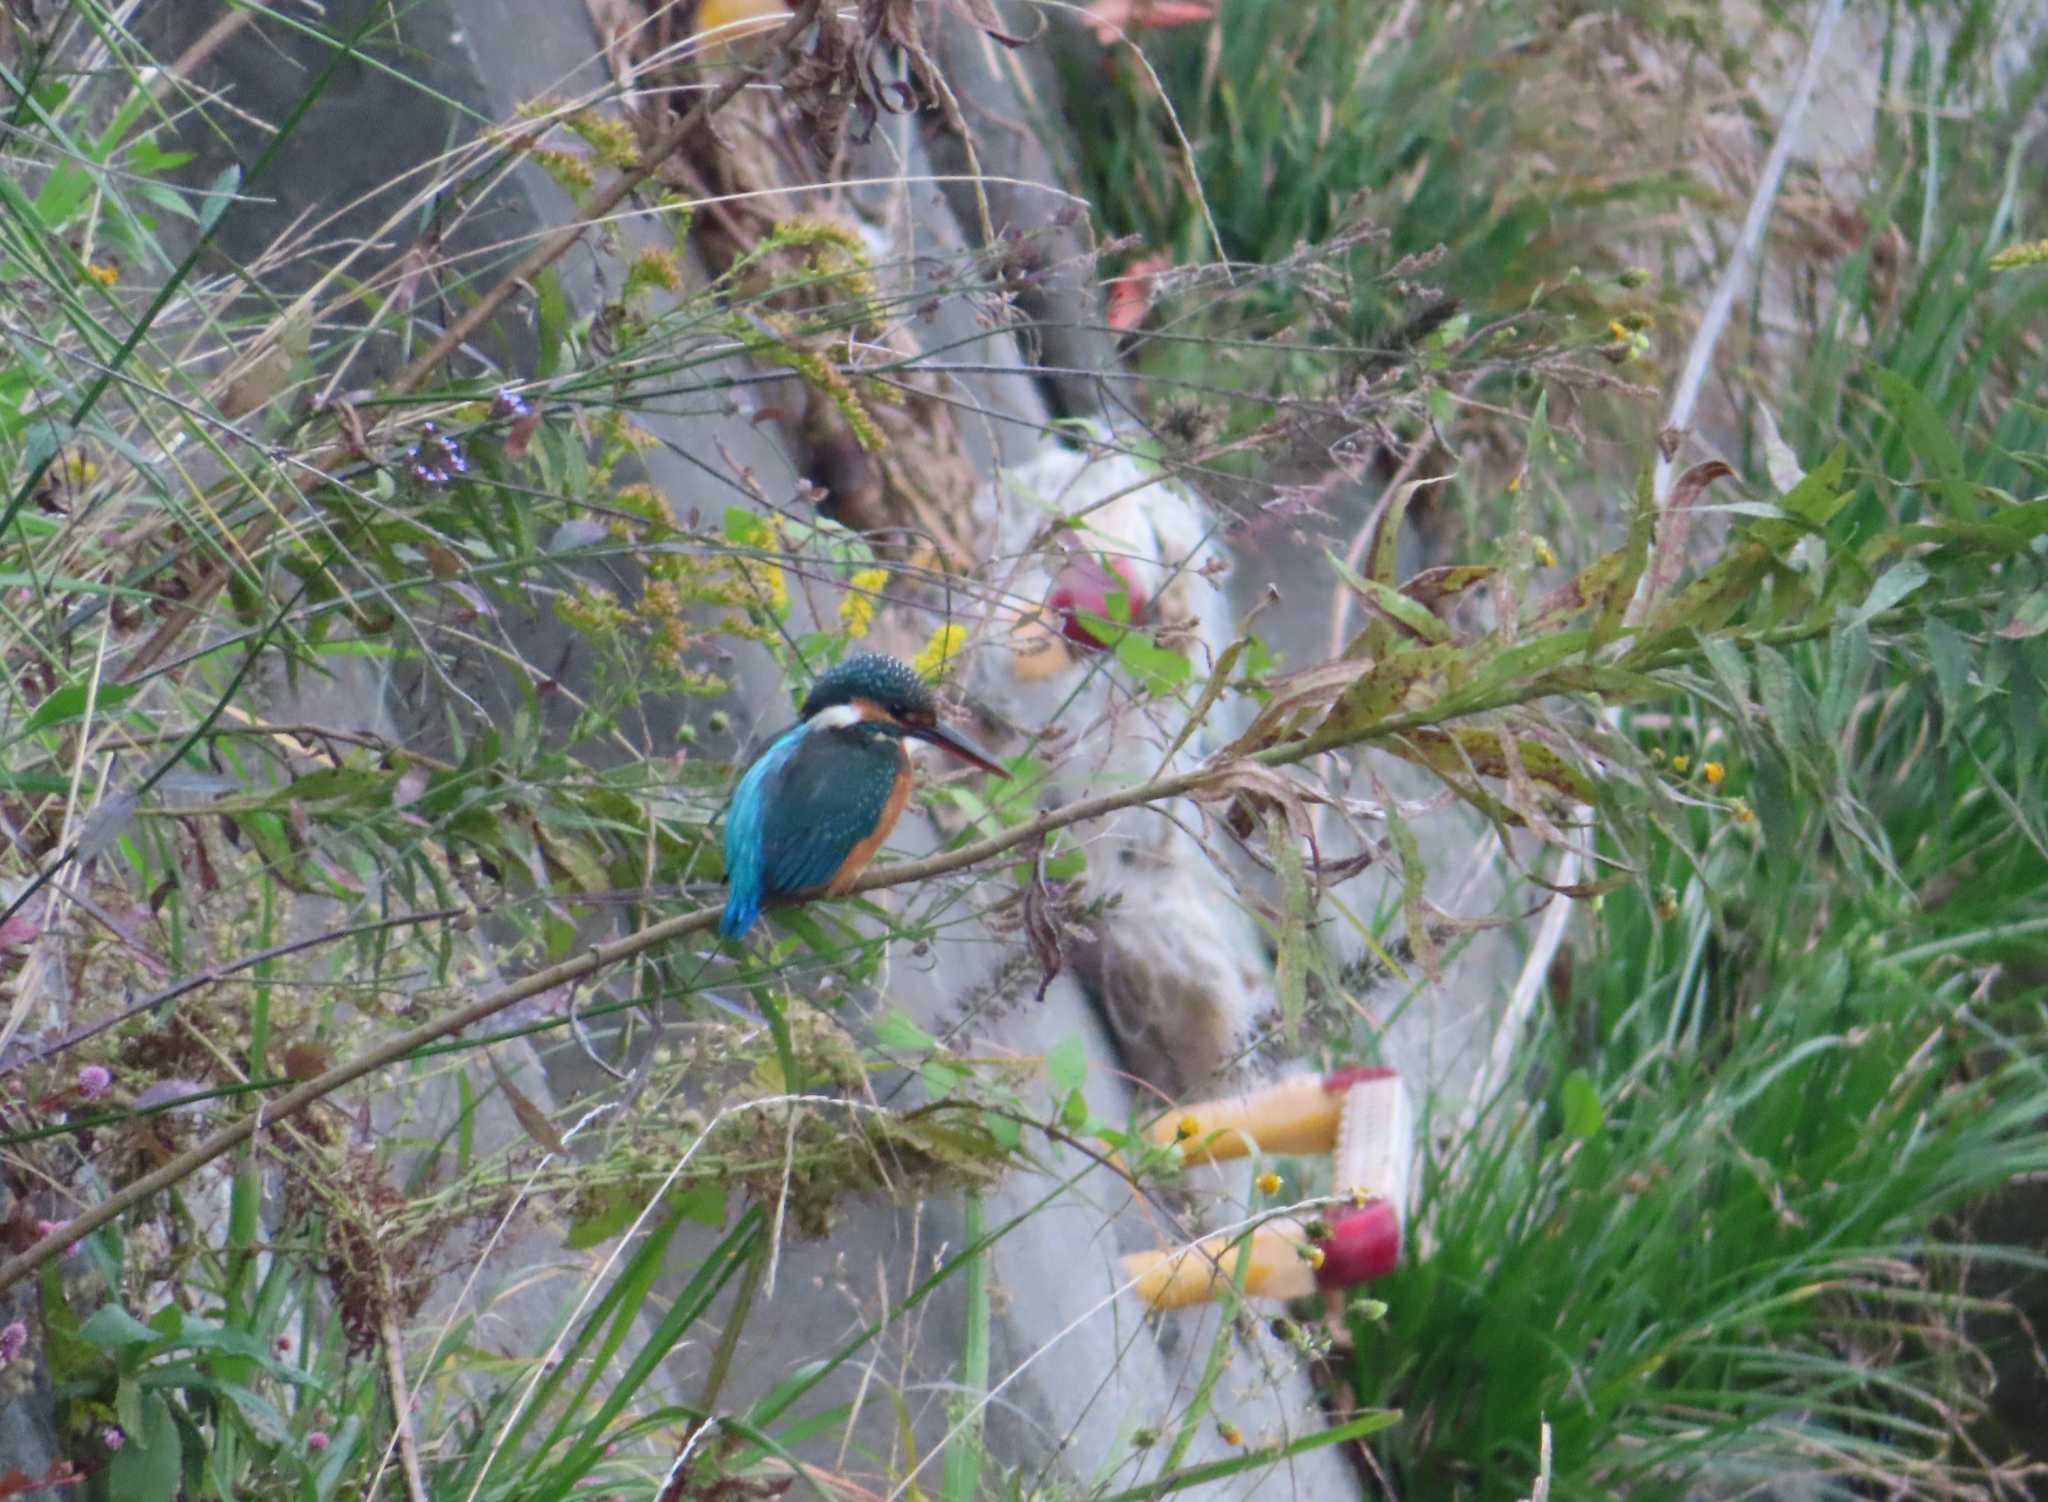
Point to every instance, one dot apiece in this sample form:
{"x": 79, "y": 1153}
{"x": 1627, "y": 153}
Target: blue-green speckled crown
{"x": 888, "y": 681}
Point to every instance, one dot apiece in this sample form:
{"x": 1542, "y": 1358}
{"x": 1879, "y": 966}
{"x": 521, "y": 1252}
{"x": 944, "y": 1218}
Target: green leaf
{"x": 1590, "y": 589}
{"x": 607, "y": 1212}
{"x": 895, "y": 1032}
{"x": 1927, "y": 437}
{"x": 2029, "y": 618}
{"x": 1392, "y": 603}
{"x": 1074, "y": 1112}
{"x": 1388, "y": 687}
{"x": 1712, "y": 599}
{"x": 1892, "y": 586}
{"x": 128, "y": 1404}
{"x": 1468, "y": 749}
{"x": 703, "y": 1203}
{"x": 1817, "y": 496}
{"x": 1066, "y": 1066}
{"x": 552, "y": 319}
{"x": 1581, "y": 1098}
{"x": 941, "y": 1079}
{"x": 1635, "y": 558}
{"x": 1949, "y": 654}
{"x": 1732, "y": 669}
{"x": 62, "y": 195}
{"x": 1527, "y": 659}
{"x": 112, "y": 1328}
{"x": 1160, "y": 669}
{"x": 219, "y": 196}
{"x": 198, "y": 1334}
{"x": 1386, "y": 538}
{"x": 147, "y": 1467}
{"x": 341, "y": 1454}
{"x": 264, "y": 1417}
{"x": 68, "y": 703}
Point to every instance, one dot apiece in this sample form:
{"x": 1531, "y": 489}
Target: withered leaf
{"x": 1041, "y": 928}
{"x": 1310, "y": 689}
{"x": 1676, "y": 524}
{"x": 532, "y": 1120}
{"x": 1435, "y": 586}
{"x": 1249, "y": 789}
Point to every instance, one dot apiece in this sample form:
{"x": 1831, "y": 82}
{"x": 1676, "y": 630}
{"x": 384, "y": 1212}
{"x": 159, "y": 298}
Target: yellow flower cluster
{"x": 863, "y": 597}
{"x": 594, "y": 609}
{"x": 653, "y": 268}
{"x": 936, "y": 659}
{"x": 838, "y": 257}
{"x": 610, "y": 138}
{"x": 2031, "y": 253}
{"x": 570, "y": 171}
{"x": 819, "y": 372}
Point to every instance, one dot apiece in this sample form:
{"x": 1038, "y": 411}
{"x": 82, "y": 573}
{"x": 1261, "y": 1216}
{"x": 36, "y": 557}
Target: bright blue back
{"x": 798, "y": 813}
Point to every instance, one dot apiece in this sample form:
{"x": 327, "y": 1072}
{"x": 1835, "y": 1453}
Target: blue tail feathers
{"x": 741, "y": 909}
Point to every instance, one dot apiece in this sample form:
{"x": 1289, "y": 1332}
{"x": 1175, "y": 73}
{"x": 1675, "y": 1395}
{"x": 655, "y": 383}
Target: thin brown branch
{"x": 603, "y": 956}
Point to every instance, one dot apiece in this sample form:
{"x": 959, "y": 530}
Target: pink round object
{"x": 1084, "y": 588}
{"x": 1363, "y": 1244}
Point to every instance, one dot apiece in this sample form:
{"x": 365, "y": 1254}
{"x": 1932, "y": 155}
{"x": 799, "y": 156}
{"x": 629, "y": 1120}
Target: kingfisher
{"x": 813, "y": 809}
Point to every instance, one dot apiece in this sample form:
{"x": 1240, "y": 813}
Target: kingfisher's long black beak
{"x": 959, "y": 745}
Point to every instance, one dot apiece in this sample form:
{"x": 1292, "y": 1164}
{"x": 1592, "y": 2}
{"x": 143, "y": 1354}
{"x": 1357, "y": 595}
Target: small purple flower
{"x": 436, "y": 458}
{"x": 94, "y": 1080}
{"x": 13, "y": 1341}
{"x": 507, "y": 404}
{"x": 318, "y": 1441}
{"x": 45, "y": 1227}
{"x": 115, "y": 1437}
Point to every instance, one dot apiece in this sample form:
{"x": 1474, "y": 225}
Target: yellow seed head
{"x": 1681, "y": 764}
{"x": 1229, "y": 1432}
{"x": 936, "y": 660}
{"x": 1187, "y": 1128}
{"x": 1269, "y": 1182}
{"x": 863, "y": 596}
{"x": 2034, "y": 253}
{"x": 1716, "y": 774}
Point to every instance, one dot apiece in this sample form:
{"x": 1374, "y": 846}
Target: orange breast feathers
{"x": 857, "y": 860}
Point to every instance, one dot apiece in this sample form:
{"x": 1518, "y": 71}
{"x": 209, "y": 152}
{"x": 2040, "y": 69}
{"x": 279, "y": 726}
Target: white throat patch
{"x": 838, "y": 717}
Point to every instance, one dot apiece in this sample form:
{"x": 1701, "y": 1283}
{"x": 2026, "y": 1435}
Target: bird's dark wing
{"x": 824, "y": 799}
{"x": 745, "y": 873}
